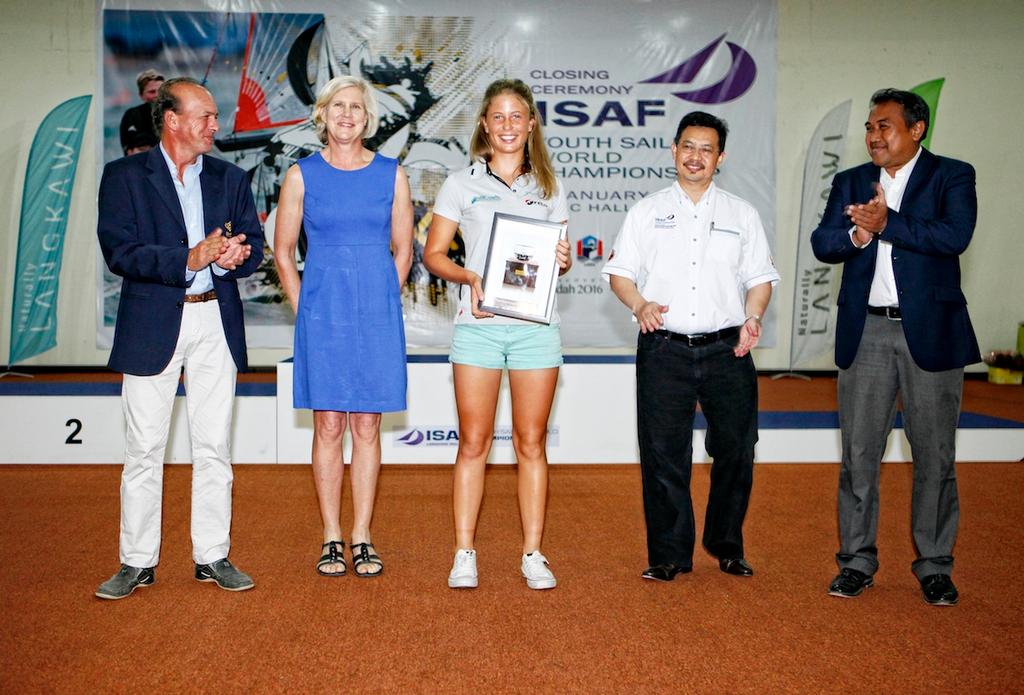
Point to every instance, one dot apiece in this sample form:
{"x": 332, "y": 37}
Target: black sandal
{"x": 366, "y": 554}
{"x": 335, "y": 555}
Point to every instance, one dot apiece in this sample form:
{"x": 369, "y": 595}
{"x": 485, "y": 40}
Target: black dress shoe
{"x": 849, "y": 583}
{"x": 939, "y": 590}
{"x": 735, "y": 565}
{"x": 664, "y": 573}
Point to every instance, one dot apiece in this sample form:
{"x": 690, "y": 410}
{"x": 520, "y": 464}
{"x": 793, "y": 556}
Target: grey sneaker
{"x": 125, "y": 582}
{"x": 226, "y": 575}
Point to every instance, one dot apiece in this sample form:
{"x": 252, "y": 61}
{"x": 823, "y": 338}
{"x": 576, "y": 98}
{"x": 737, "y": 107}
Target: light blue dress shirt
{"x": 190, "y": 197}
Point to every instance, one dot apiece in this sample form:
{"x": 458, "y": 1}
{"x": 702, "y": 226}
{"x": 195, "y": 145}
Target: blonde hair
{"x": 536, "y": 159}
{"x": 323, "y": 99}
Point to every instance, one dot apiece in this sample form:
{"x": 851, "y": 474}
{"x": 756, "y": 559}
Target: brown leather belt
{"x": 890, "y": 312}
{"x": 207, "y": 296}
{"x": 701, "y": 339}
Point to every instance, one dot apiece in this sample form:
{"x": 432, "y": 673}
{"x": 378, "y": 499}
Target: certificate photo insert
{"x": 519, "y": 271}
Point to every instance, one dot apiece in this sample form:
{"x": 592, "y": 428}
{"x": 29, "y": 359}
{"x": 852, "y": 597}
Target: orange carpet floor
{"x": 603, "y": 630}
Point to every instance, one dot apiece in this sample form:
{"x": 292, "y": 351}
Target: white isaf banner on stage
{"x": 611, "y": 81}
{"x": 593, "y": 421}
{"x": 590, "y": 422}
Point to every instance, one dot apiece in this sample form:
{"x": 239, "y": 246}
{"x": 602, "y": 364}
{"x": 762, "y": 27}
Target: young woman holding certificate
{"x": 511, "y": 173}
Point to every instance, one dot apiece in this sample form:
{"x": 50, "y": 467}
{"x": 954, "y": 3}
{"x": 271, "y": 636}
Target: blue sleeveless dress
{"x": 349, "y": 334}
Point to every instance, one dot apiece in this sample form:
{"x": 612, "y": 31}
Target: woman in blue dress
{"x": 357, "y": 212}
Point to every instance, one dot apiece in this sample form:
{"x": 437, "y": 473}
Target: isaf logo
{"x": 737, "y": 80}
{"x": 666, "y": 222}
{"x": 589, "y": 249}
{"x": 448, "y": 435}
{"x": 412, "y": 438}
{"x": 441, "y": 436}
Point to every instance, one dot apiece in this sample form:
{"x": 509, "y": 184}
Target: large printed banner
{"x": 611, "y": 80}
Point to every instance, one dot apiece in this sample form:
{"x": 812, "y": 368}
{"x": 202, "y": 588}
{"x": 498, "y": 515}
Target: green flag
{"x": 929, "y": 91}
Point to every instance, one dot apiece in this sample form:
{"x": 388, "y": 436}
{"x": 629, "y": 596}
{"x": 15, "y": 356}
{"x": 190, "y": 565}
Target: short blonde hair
{"x": 327, "y": 94}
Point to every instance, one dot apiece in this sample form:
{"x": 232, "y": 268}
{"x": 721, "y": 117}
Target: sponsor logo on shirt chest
{"x": 666, "y": 222}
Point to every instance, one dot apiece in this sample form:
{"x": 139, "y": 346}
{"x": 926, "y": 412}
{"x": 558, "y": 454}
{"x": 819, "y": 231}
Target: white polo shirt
{"x": 471, "y": 197}
{"x": 698, "y": 259}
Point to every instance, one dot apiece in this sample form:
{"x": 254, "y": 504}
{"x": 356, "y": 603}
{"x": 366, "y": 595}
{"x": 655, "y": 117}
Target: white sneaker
{"x": 535, "y": 569}
{"x": 463, "y": 574}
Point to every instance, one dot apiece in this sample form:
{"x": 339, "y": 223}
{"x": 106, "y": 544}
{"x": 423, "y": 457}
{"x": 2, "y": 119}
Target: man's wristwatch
{"x": 756, "y": 317}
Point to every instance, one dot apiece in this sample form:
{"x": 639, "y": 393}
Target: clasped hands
{"x": 869, "y": 218}
{"x": 226, "y": 252}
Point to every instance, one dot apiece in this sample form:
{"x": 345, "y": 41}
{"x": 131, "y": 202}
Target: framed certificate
{"x": 521, "y": 272}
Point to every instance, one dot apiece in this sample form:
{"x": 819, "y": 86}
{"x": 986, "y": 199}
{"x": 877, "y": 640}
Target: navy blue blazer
{"x": 933, "y": 227}
{"x": 142, "y": 234}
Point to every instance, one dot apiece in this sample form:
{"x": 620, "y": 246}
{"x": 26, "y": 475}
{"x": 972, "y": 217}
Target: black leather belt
{"x": 207, "y": 296}
{"x": 890, "y": 312}
{"x": 700, "y": 339}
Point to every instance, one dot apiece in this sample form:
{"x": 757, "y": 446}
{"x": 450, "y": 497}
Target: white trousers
{"x": 147, "y": 401}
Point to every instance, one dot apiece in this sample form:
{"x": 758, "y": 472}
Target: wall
{"x": 831, "y": 51}
{"x": 828, "y": 51}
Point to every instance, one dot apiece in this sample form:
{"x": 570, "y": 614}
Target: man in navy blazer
{"x": 898, "y": 225}
{"x": 180, "y": 228}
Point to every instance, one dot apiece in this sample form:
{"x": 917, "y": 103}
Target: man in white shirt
{"x": 898, "y": 224}
{"x": 692, "y": 264}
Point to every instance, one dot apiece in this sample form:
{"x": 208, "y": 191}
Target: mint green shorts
{"x": 535, "y": 346}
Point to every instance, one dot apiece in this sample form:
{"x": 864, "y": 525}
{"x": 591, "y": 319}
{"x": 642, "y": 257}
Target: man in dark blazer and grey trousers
{"x": 899, "y": 224}
{"x": 180, "y": 228}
